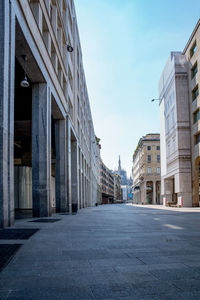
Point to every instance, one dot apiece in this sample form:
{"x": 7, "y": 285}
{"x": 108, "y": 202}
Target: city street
{"x": 108, "y": 252}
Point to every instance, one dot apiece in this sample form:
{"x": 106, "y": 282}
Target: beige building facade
{"x": 117, "y": 187}
{"x": 192, "y": 54}
{"x": 146, "y": 170}
{"x": 107, "y": 184}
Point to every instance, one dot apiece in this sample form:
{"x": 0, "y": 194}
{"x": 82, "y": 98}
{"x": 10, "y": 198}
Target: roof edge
{"x": 191, "y": 36}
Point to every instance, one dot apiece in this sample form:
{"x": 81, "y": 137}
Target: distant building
{"x": 117, "y": 187}
{"x": 125, "y": 182}
{"x": 124, "y": 192}
{"x": 107, "y": 184}
{"x": 146, "y": 170}
{"x": 122, "y": 173}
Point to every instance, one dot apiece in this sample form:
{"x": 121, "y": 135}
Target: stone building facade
{"x": 49, "y": 157}
{"x": 146, "y": 170}
{"x": 175, "y": 132}
{"x": 107, "y": 184}
{"x": 192, "y": 54}
{"x": 181, "y": 159}
{"x": 117, "y": 187}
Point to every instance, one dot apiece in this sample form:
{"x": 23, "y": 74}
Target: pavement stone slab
{"x": 109, "y": 252}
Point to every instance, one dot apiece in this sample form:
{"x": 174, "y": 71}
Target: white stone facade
{"x": 175, "y": 132}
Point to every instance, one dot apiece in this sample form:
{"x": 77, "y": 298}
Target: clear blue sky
{"x": 125, "y": 45}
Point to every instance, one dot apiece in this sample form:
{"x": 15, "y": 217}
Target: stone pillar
{"x": 82, "y": 190}
{"x": 74, "y": 171}
{"x": 7, "y": 73}
{"x": 154, "y": 192}
{"x": 72, "y": 167}
{"x": 69, "y": 177}
{"x": 143, "y": 192}
{"x": 61, "y": 165}
{"x": 41, "y": 150}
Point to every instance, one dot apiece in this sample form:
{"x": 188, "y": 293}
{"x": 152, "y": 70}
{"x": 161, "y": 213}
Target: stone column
{"x": 7, "y": 73}
{"x": 41, "y": 150}
{"x": 69, "y": 177}
{"x": 82, "y": 190}
{"x": 74, "y": 171}
{"x": 154, "y": 192}
{"x": 61, "y": 165}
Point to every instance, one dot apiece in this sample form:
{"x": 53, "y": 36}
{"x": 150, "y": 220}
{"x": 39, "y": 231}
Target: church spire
{"x": 119, "y": 165}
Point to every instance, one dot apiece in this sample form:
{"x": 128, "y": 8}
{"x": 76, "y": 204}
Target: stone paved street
{"x": 108, "y": 252}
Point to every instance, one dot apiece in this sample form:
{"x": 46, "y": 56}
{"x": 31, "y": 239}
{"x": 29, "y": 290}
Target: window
{"x": 158, "y": 157}
{"x": 78, "y": 83}
{"x": 167, "y": 124}
{"x": 193, "y": 49}
{"x": 197, "y": 138}
{"x": 70, "y": 109}
{"x": 196, "y": 116}
{"x": 149, "y": 158}
{"x": 149, "y": 170}
{"x": 78, "y": 102}
{"x": 158, "y": 170}
{"x": 194, "y": 70}
{"x": 157, "y": 147}
{"x": 172, "y": 118}
{"x": 195, "y": 93}
{"x": 77, "y": 57}
{"x": 148, "y": 147}
{"x": 70, "y": 77}
{"x": 168, "y": 148}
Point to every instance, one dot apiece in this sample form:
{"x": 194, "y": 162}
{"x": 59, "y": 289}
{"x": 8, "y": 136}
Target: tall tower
{"x": 119, "y": 164}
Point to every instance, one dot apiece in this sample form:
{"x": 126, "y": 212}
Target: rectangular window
{"x": 78, "y": 104}
{"x": 70, "y": 109}
{"x": 158, "y": 157}
{"x": 173, "y": 118}
{"x": 194, "y": 70}
{"x": 149, "y": 158}
{"x": 196, "y": 116}
{"x": 197, "y": 138}
{"x": 193, "y": 49}
{"x": 168, "y": 148}
{"x": 167, "y": 124}
{"x": 149, "y": 170}
{"x": 158, "y": 148}
{"x": 78, "y": 83}
{"x": 158, "y": 170}
{"x": 195, "y": 93}
{"x": 148, "y": 147}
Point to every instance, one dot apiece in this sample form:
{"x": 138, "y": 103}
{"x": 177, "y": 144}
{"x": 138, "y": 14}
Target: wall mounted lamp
{"x": 69, "y": 48}
{"x": 24, "y": 83}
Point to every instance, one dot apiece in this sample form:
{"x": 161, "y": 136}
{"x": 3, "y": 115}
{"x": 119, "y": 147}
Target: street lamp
{"x": 24, "y": 83}
{"x": 155, "y": 100}
{"x": 69, "y": 47}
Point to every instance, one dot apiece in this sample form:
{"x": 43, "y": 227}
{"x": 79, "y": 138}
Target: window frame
{"x": 195, "y": 93}
{"x": 149, "y": 158}
{"x": 149, "y": 170}
{"x": 193, "y": 49}
{"x": 194, "y": 70}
